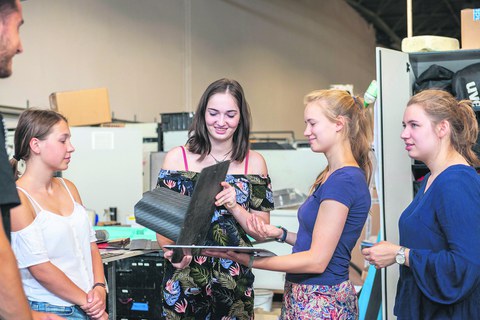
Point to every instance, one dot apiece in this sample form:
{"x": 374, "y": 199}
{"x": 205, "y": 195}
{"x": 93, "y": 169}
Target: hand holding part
{"x": 241, "y": 258}
{"x": 227, "y": 197}
{"x": 381, "y": 254}
{"x": 180, "y": 265}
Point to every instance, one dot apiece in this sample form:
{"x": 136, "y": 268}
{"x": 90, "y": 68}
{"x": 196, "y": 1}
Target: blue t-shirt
{"x": 348, "y": 186}
{"x": 442, "y": 229}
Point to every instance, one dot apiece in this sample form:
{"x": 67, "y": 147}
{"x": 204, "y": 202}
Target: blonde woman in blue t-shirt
{"x": 331, "y": 219}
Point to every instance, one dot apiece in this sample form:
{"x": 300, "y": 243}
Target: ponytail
{"x": 465, "y": 132}
{"x": 14, "y": 163}
{"x": 358, "y": 127}
{"x": 440, "y": 105}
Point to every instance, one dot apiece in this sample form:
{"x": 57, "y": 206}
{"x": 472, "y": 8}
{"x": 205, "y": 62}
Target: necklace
{"x": 224, "y": 158}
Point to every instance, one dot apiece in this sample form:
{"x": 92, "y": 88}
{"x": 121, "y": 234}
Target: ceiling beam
{"x": 439, "y": 27}
{"x": 382, "y": 6}
{"x": 452, "y": 12}
{"x": 426, "y": 20}
{"x": 379, "y": 23}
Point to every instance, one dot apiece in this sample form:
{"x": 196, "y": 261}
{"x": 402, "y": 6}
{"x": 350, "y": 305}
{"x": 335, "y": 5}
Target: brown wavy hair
{"x": 199, "y": 141}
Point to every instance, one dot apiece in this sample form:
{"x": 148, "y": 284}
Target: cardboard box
{"x": 83, "y": 107}
{"x": 470, "y": 29}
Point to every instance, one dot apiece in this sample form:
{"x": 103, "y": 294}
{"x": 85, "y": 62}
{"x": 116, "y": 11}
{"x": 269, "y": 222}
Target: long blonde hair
{"x": 440, "y": 105}
{"x": 358, "y": 128}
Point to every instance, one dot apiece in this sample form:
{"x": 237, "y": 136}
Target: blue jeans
{"x": 72, "y": 313}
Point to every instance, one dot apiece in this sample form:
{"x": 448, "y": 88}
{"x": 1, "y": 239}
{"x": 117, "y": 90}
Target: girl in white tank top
{"x": 52, "y": 238}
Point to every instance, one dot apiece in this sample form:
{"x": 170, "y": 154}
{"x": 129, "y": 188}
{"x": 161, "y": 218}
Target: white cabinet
{"x": 396, "y": 72}
{"x": 106, "y": 167}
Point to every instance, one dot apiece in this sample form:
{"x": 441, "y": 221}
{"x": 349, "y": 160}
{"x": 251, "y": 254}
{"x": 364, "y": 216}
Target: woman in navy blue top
{"x": 332, "y": 217}
{"x": 439, "y": 251}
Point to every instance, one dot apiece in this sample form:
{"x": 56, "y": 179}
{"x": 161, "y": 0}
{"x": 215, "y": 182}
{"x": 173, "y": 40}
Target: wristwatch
{"x": 400, "y": 257}
{"x": 284, "y": 235}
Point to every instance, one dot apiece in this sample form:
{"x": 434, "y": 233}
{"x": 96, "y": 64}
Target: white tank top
{"x": 62, "y": 240}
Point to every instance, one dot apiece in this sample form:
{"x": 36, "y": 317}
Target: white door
{"x": 394, "y": 175}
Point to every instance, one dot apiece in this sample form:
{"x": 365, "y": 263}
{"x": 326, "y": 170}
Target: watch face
{"x": 400, "y": 258}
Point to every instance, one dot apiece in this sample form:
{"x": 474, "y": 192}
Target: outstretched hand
{"x": 263, "y": 230}
{"x": 179, "y": 265}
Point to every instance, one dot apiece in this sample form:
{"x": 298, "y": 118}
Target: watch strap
{"x": 284, "y": 235}
{"x": 400, "y": 257}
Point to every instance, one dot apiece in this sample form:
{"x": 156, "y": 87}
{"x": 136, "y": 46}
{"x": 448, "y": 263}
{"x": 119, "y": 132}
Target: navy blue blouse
{"x": 442, "y": 229}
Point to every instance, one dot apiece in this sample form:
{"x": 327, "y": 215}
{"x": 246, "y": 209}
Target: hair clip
{"x": 357, "y": 102}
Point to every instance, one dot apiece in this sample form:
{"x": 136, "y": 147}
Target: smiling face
{"x": 10, "y": 43}
{"x": 222, "y": 116}
{"x": 56, "y": 150}
{"x": 320, "y": 131}
{"x": 419, "y": 134}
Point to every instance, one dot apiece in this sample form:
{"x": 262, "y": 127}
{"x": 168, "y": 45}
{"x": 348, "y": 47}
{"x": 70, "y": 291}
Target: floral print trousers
{"x": 209, "y": 289}
{"x": 304, "y": 302}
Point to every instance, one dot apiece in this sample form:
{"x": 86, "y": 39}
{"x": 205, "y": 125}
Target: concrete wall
{"x": 158, "y": 56}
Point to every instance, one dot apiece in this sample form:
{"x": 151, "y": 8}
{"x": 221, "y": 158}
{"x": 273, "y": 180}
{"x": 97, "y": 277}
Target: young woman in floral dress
{"x": 203, "y": 287}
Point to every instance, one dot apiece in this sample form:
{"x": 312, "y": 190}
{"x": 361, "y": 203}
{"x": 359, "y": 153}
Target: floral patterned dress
{"x": 213, "y": 288}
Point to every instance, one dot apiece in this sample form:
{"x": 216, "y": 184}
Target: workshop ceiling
{"x": 430, "y": 17}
